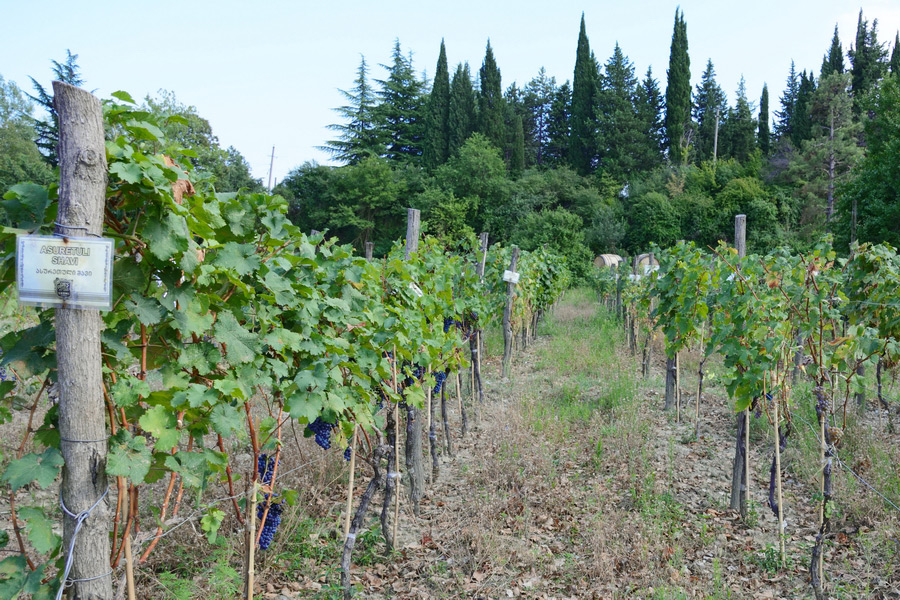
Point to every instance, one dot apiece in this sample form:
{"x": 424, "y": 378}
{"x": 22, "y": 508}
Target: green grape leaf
{"x": 42, "y": 468}
{"x": 129, "y": 172}
{"x": 241, "y": 345}
{"x": 160, "y": 423}
{"x": 129, "y": 457}
{"x": 210, "y": 523}
{"x": 225, "y": 419}
{"x": 147, "y": 310}
{"x": 167, "y": 236}
{"x": 240, "y": 258}
{"x": 40, "y": 529}
{"x": 129, "y": 390}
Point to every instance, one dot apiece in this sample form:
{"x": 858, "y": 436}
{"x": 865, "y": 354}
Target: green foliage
{"x": 651, "y": 220}
{"x": 678, "y": 94}
{"x": 436, "y": 143}
{"x": 583, "y": 118}
{"x": 490, "y": 101}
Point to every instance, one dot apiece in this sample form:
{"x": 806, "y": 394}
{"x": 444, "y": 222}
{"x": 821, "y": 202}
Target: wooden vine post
{"x": 370, "y": 247}
{"x": 82, "y": 415}
{"x": 476, "y": 343}
{"x": 740, "y": 473}
{"x": 507, "y": 315}
{"x": 414, "y": 462}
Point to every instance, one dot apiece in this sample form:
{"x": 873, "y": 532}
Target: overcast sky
{"x": 267, "y": 73}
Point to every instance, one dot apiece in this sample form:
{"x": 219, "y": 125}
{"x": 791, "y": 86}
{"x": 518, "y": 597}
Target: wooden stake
{"x": 507, "y": 317}
{"x": 129, "y": 558}
{"x": 781, "y": 549}
{"x": 677, "y": 388}
{"x": 350, "y": 484}
{"x": 396, "y": 451}
{"x": 251, "y": 539}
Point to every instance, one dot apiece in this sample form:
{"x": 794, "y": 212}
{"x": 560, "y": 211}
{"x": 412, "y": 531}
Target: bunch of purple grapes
{"x": 347, "y": 453}
{"x": 439, "y": 378}
{"x": 273, "y": 520}
{"x": 265, "y": 466}
{"x": 322, "y": 430}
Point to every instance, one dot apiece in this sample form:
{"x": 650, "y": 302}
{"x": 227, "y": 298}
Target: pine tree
{"x": 490, "y": 101}
{"x": 398, "y": 116}
{"x": 763, "y": 135}
{"x": 47, "y": 130}
{"x": 710, "y": 109}
{"x": 801, "y": 126}
{"x": 436, "y": 143}
{"x": 581, "y": 150}
{"x": 539, "y": 94}
{"x": 738, "y": 132}
{"x": 461, "y": 116}
{"x": 649, "y": 106}
{"x": 868, "y": 59}
{"x": 678, "y": 94}
{"x": 357, "y": 137}
{"x": 895, "y": 56}
{"x": 834, "y": 59}
{"x": 785, "y": 116}
{"x": 558, "y": 127}
{"x": 619, "y": 134}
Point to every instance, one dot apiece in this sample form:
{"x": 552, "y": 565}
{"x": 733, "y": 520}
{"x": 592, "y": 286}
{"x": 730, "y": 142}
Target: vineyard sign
{"x": 66, "y": 272}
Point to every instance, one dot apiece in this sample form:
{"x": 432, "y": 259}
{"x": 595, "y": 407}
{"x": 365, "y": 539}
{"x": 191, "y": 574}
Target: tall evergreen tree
{"x": 648, "y": 103}
{"x": 710, "y": 110}
{"x": 558, "y": 127}
{"x": 398, "y": 116}
{"x": 739, "y": 130}
{"x": 763, "y": 135}
{"x": 490, "y": 101}
{"x": 539, "y": 94}
{"x": 461, "y": 115}
{"x": 357, "y": 137}
{"x": 581, "y": 147}
{"x": 47, "y": 130}
{"x": 834, "y": 58}
{"x": 436, "y": 143}
{"x": 619, "y": 133}
{"x": 801, "y": 126}
{"x": 785, "y": 116}
{"x": 517, "y": 153}
{"x": 868, "y": 58}
{"x": 895, "y": 56}
{"x": 678, "y": 94}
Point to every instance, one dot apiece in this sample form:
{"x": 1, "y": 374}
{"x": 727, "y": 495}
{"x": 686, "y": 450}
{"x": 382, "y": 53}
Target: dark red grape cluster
{"x": 322, "y": 430}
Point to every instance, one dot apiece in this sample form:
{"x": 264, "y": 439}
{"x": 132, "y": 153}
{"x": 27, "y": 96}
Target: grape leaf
{"x": 129, "y": 456}
{"x": 210, "y": 523}
{"x": 225, "y": 419}
{"x": 240, "y": 258}
{"x": 167, "y": 236}
{"x": 42, "y": 468}
{"x": 241, "y": 344}
{"x": 147, "y": 310}
{"x": 40, "y": 529}
{"x": 160, "y": 423}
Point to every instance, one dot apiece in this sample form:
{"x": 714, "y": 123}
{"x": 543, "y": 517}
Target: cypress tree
{"x": 357, "y": 138}
{"x": 678, "y": 94}
{"x": 490, "y": 101}
{"x": 582, "y": 112}
{"x": 710, "y": 110}
{"x": 461, "y": 115}
{"x": 834, "y": 59}
{"x": 436, "y": 145}
{"x": 517, "y": 154}
{"x": 763, "y": 135}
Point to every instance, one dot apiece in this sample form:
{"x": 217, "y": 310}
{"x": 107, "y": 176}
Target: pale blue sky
{"x": 267, "y": 73}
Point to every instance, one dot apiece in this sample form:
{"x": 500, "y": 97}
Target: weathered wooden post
{"x": 82, "y": 418}
{"x": 476, "y": 342}
{"x": 414, "y": 467}
{"x": 507, "y": 314}
{"x": 370, "y": 247}
{"x": 740, "y": 472}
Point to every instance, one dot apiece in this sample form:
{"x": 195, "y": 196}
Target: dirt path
{"x": 559, "y": 492}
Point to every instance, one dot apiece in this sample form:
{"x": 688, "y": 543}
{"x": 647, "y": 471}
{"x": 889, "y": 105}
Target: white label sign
{"x": 71, "y": 272}
{"x": 510, "y": 277}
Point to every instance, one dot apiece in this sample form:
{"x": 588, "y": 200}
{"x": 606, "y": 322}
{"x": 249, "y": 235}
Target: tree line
{"x": 609, "y": 161}
{"x": 606, "y": 161}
